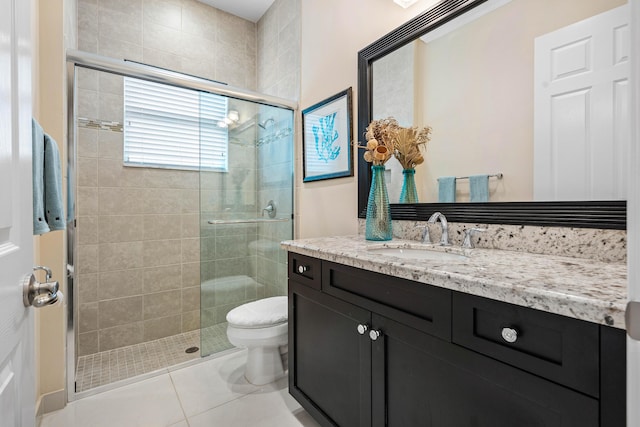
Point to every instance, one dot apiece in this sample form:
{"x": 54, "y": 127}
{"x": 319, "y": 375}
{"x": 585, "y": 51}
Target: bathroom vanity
{"x": 484, "y": 338}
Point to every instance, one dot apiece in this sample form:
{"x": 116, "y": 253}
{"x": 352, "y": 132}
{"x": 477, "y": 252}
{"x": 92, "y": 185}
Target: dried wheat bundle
{"x": 408, "y": 143}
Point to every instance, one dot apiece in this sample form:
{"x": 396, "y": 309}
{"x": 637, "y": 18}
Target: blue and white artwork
{"x": 327, "y": 138}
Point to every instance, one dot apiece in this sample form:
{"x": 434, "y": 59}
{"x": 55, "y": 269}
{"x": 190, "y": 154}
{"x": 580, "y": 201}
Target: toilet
{"x": 261, "y": 327}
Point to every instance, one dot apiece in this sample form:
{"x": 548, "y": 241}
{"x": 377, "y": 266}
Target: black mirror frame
{"x": 584, "y": 214}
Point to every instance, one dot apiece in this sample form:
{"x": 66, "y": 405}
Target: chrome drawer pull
{"x": 510, "y": 335}
{"x": 362, "y": 329}
{"x": 374, "y": 335}
{"x": 302, "y": 269}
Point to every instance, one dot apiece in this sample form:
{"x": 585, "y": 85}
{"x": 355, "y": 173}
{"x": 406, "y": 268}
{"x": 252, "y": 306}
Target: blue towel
{"x": 48, "y": 211}
{"x": 447, "y": 189}
{"x": 479, "y": 188}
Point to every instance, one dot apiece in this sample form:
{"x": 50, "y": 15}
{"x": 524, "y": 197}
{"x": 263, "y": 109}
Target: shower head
{"x": 266, "y": 123}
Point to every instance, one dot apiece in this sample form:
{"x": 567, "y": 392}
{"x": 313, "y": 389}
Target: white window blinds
{"x": 170, "y": 127}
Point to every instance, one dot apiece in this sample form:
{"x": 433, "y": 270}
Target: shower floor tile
{"x": 106, "y": 367}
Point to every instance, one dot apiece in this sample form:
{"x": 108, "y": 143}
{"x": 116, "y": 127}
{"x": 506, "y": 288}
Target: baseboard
{"x": 53, "y": 401}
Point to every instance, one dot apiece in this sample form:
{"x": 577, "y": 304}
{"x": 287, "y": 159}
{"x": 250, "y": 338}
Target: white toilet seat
{"x": 262, "y": 313}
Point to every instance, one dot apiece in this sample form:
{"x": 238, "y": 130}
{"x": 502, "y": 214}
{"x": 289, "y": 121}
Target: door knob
{"x": 39, "y": 294}
{"x": 374, "y": 334}
{"x": 362, "y": 329}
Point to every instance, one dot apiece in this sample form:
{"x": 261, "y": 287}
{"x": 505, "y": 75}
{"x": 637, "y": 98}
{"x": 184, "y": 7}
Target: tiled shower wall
{"x": 278, "y": 75}
{"x": 138, "y": 274}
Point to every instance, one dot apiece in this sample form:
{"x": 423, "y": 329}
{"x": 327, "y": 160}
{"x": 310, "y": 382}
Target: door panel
{"x": 17, "y": 382}
{"x": 329, "y": 361}
{"x": 581, "y": 117}
{"x": 452, "y": 387}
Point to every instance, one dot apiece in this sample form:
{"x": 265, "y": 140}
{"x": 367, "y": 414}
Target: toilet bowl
{"x": 261, "y": 327}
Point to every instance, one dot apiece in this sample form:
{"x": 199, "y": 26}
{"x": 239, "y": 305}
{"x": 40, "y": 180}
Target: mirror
{"x": 454, "y": 61}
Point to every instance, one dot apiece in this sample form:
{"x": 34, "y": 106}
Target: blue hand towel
{"x": 40, "y": 225}
{"x": 48, "y": 211}
{"x": 479, "y": 188}
{"x": 53, "y": 200}
{"x": 447, "y": 189}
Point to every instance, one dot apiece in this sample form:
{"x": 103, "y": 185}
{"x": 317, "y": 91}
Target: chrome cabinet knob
{"x": 302, "y": 269}
{"x": 362, "y": 329}
{"x": 374, "y": 335}
{"x": 510, "y": 335}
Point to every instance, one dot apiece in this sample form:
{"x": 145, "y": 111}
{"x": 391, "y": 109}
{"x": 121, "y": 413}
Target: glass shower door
{"x": 245, "y": 212}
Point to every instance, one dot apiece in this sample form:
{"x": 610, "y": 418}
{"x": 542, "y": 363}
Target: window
{"x": 175, "y": 128}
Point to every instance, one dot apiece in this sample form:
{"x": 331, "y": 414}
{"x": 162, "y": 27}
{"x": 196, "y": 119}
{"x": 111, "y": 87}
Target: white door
{"x": 633, "y": 227}
{"x": 17, "y": 380}
{"x": 581, "y": 110}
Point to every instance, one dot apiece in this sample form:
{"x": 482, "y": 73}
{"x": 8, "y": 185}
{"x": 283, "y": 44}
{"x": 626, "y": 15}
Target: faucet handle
{"x": 467, "y": 243}
{"x": 426, "y": 238}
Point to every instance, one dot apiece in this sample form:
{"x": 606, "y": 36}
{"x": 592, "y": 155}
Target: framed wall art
{"x": 327, "y": 138}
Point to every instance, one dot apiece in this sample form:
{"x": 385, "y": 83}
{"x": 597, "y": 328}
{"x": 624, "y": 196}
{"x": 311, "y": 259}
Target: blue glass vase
{"x": 378, "y": 222}
{"x": 409, "y": 193}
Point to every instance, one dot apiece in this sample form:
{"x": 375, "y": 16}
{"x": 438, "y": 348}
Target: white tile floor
{"x": 213, "y": 393}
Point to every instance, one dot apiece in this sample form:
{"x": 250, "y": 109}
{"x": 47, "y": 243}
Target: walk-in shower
{"x": 181, "y": 190}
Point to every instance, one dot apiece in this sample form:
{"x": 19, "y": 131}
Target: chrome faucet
{"x": 444, "y": 240}
{"x": 425, "y": 238}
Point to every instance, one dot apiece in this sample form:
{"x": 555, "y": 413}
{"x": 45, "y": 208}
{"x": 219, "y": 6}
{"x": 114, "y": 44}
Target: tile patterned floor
{"x": 212, "y": 392}
{"x": 106, "y": 367}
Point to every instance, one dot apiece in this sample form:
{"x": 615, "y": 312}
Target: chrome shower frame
{"x": 124, "y": 68}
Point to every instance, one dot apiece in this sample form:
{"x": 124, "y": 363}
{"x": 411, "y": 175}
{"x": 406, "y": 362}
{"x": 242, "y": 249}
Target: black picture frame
{"x": 327, "y": 138}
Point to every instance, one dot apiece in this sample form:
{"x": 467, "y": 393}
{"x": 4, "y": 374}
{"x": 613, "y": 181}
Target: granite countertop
{"x": 580, "y": 288}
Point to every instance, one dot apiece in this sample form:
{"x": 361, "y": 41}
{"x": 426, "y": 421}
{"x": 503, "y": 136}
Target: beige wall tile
{"x": 111, "y": 107}
{"x": 88, "y": 343}
{"x": 161, "y": 252}
{"x": 133, "y": 8}
{"x": 120, "y": 336}
{"x": 199, "y": 19}
{"x": 87, "y": 259}
{"x": 120, "y": 228}
{"x": 110, "y": 83}
{"x": 157, "y": 227}
{"x": 87, "y": 142}
{"x": 190, "y": 299}
{"x": 190, "y": 274}
{"x": 162, "y": 201}
{"x": 190, "y": 201}
{"x": 161, "y": 58}
{"x": 162, "y": 304}
{"x": 164, "y": 12}
{"x": 119, "y": 311}
{"x": 163, "y": 327}
{"x": 86, "y": 286}
{"x": 88, "y": 317}
{"x": 190, "y": 250}
{"x": 162, "y": 278}
{"x": 120, "y": 256}
{"x": 121, "y": 201}
{"x": 87, "y": 175}
{"x": 87, "y": 101}
{"x": 160, "y": 37}
{"x": 191, "y": 321}
{"x": 87, "y": 79}
{"x": 110, "y": 145}
{"x": 112, "y": 173}
{"x": 190, "y": 225}
{"x": 119, "y": 49}
{"x": 120, "y": 284}
{"x": 87, "y": 229}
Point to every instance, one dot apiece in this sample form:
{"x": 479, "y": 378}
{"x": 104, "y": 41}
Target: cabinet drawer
{"x": 555, "y": 347}
{"x": 305, "y": 270}
{"x": 421, "y": 306}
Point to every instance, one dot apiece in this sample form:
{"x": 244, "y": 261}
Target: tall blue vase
{"x": 378, "y": 223}
{"x": 409, "y": 193}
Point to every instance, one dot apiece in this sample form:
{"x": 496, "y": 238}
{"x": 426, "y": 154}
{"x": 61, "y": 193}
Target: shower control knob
{"x": 374, "y": 334}
{"x": 302, "y": 269}
{"x": 362, "y": 329}
{"x": 510, "y": 335}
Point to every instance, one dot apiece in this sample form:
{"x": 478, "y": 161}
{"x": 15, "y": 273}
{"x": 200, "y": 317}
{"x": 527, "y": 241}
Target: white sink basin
{"x": 419, "y": 253}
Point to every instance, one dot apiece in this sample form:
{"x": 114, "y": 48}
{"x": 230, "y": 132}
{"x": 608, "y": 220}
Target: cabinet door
{"x": 329, "y": 361}
{"x": 419, "y": 380}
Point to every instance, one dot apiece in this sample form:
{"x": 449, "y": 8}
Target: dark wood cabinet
{"x": 424, "y": 360}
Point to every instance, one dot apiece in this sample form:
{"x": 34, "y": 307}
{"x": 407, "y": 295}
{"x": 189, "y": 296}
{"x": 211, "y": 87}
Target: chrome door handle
{"x": 302, "y": 269}
{"x": 39, "y": 294}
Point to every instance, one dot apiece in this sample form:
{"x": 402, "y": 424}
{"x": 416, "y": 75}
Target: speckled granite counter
{"x": 580, "y": 288}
